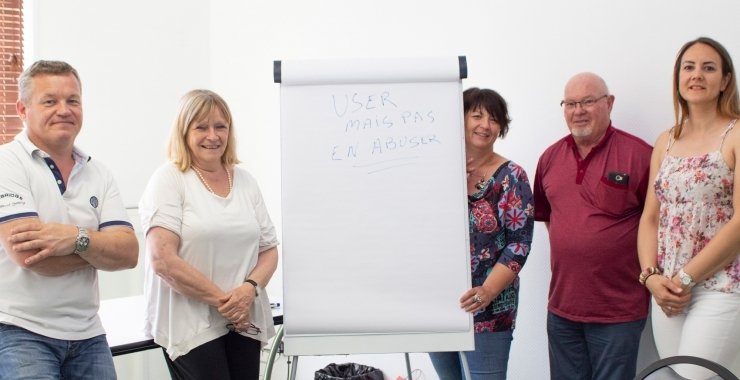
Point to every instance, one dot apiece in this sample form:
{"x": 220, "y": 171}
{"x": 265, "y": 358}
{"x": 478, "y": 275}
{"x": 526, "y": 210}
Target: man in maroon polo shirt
{"x": 589, "y": 189}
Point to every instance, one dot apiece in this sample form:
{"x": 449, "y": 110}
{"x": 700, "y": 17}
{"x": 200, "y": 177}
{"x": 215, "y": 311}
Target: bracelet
{"x": 647, "y": 272}
{"x": 254, "y": 283}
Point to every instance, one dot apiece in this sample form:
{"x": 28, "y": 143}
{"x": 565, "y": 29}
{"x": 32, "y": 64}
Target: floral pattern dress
{"x": 501, "y": 225}
{"x": 695, "y": 195}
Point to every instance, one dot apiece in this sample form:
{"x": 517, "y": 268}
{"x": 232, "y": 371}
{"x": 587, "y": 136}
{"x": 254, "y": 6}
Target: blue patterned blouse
{"x": 501, "y": 225}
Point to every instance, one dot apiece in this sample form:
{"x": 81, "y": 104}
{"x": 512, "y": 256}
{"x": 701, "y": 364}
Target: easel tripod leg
{"x": 293, "y": 368}
{"x": 408, "y": 366}
{"x": 464, "y": 363}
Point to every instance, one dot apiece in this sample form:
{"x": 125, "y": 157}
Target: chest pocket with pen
{"x": 612, "y": 193}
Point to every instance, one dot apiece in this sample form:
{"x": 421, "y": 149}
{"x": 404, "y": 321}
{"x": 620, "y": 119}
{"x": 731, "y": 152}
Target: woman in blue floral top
{"x": 501, "y": 214}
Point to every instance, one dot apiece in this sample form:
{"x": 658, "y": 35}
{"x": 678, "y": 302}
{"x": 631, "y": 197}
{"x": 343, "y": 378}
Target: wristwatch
{"x": 685, "y": 279}
{"x": 82, "y": 242}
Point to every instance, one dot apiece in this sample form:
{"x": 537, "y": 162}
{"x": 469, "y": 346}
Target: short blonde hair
{"x": 196, "y": 105}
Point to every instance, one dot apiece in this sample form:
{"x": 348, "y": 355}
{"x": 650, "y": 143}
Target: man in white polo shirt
{"x": 61, "y": 219}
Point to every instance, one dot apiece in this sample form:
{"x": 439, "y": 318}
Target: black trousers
{"x": 230, "y": 357}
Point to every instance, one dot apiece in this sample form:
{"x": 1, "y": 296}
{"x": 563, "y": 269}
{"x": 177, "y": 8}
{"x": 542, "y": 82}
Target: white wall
{"x": 136, "y": 59}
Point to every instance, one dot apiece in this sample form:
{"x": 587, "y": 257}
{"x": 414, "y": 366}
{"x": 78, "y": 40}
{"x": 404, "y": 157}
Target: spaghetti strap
{"x": 724, "y": 134}
{"x": 671, "y": 140}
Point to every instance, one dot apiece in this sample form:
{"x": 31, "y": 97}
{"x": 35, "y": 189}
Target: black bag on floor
{"x": 348, "y": 371}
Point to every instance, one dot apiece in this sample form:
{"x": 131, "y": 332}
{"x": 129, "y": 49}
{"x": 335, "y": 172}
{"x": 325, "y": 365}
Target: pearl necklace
{"x": 228, "y": 175}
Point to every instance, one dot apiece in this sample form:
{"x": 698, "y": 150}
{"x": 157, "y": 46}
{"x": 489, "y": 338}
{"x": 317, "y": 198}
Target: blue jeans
{"x": 27, "y": 355}
{"x": 488, "y": 362}
{"x": 585, "y": 351}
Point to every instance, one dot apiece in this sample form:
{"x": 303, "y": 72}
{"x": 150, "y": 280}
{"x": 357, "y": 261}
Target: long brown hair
{"x": 728, "y": 103}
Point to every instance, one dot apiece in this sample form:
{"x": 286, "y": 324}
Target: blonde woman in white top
{"x": 211, "y": 248}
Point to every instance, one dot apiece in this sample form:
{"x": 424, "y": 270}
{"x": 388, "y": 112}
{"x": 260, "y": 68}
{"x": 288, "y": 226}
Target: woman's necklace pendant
{"x": 480, "y": 184}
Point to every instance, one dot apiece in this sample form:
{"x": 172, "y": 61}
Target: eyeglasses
{"x": 585, "y": 103}
{"x": 251, "y": 329}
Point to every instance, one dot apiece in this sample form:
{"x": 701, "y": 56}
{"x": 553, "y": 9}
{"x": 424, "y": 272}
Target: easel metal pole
{"x": 465, "y": 367}
{"x": 408, "y": 366}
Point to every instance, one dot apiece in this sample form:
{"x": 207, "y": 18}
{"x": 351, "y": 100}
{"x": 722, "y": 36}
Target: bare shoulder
{"x": 733, "y": 135}
{"x": 664, "y": 139}
{"x": 731, "y": 147}
{"x": 661, "y": 144}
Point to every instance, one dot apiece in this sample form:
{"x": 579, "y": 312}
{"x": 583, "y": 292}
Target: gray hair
{"x": 42, "y": 68}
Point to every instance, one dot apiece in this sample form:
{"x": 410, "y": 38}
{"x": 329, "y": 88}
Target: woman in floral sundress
{"x": 689, "y": 234}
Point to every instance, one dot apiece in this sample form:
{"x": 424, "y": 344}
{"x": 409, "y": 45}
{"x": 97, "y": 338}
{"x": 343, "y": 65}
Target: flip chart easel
{"x": 374, "y": 211}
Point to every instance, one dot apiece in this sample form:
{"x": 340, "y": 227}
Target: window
{"x": 11, "y": 65}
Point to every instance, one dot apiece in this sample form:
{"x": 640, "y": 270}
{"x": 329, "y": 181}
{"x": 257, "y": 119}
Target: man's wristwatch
{"x": 82, "y": 242}
{"x": 685, "y": 279}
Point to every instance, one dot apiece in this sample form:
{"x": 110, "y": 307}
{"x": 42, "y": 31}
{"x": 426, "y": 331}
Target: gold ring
{"x": 477, "y": 299}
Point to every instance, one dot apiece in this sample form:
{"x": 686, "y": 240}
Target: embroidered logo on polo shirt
{"x": 94, "y": 201}
{"x": 11, "y": 195}
{"x": 11, "y": 199}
